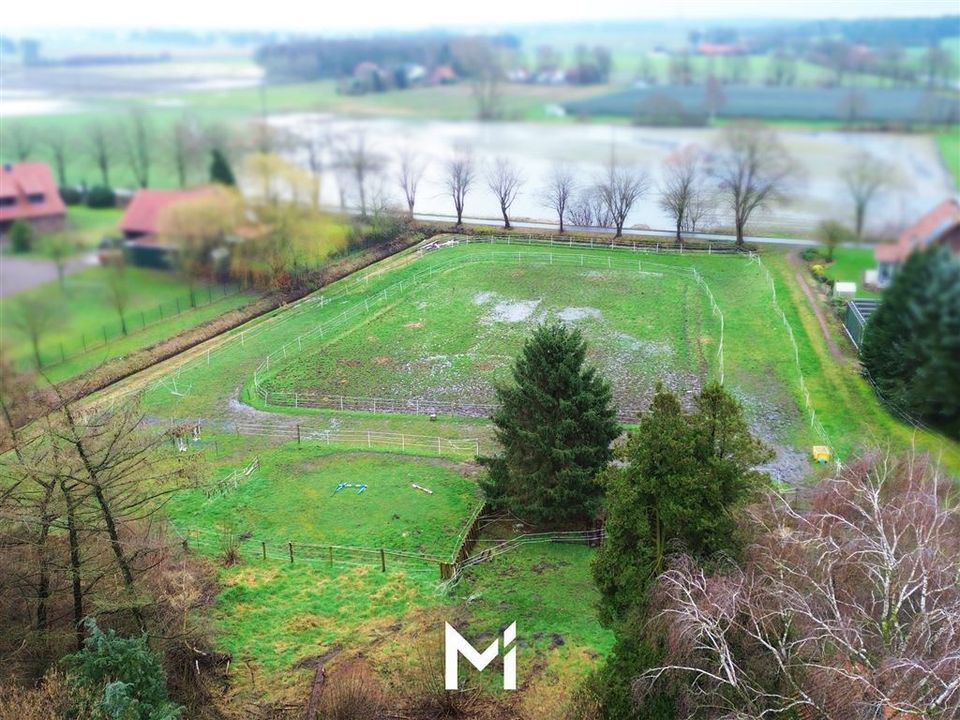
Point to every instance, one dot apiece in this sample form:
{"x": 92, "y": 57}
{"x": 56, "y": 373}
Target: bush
{"x": 352, "y": 694}
{"x": 70, "y": 195}
{"x": 22, "y": 236}
{"x": 124, "y": 673}
{"x": 810, "y": 254}
{"x": 100, "y": 196}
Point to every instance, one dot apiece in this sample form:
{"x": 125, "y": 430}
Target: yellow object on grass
{"x": 821, "y": 453}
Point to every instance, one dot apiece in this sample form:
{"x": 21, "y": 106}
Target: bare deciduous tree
{"x": 848, "y": 609}
{"x": 34, "y": 317}
{"x": 479, "y": 58}
{"x": 619, "y": 190}
{"x": 185, "y": 146}
{"x": 459, "y": 179}
{"x": 752, "y": 170}
{"x": 101, "y": 148}
{"x": 865, "y": 176}
{"x": 119, "y": 291}
{"x": 137, "y": 142}
{"x": 360, "y": 163}
{"x": 409, "y": 175}
{"x": 19, "y": 137}
{"x": 681, "y": 191}
{"x": 58, "y": 248}
{"x": 59, "y": 142}
{"x": 559, "y": 191}
{"x": 504, "y": 180}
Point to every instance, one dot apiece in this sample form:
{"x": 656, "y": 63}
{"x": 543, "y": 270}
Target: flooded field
{"x": 819, "y": 193}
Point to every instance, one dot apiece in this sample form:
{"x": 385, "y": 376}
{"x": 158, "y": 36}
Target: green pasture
{"x": 759, "y": 362}
{"x": 548, "y": 590}
{"x": 949, "y": 144}
{"x": 293, "y": 497}
{"x": 454, "y": 337}
{"x": 84, "y": 314}
{"x": 849, "y": 265}
{"x": 271, "y": 614}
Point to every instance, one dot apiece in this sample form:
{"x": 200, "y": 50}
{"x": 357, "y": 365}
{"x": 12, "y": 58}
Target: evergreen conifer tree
{"x": 220, "y": 171}
{"x": 555, "y": 422}
{"x": 911, "y": 345}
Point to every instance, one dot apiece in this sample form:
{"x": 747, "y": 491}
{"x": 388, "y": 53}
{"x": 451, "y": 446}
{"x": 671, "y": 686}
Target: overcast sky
{"x": 361, "y": 15}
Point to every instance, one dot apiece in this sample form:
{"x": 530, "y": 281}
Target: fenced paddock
{"x": 360, "y": 311}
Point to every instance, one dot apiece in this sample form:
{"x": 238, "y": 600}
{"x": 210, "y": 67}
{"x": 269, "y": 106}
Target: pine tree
{"x": 911, "y": 345}
{"x": 555, "y": 423}
{"x": 220, "y": 171}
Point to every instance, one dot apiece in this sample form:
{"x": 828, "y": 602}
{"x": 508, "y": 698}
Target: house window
{"x": 35, "y": 198}
{"x": 7, "y": 201}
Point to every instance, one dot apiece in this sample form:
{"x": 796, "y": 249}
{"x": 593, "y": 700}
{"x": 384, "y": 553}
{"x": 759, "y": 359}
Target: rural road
{"x": 22, "y": 273}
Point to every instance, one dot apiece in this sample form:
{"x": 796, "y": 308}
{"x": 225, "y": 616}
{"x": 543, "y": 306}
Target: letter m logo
{"x": 455, "y": 645}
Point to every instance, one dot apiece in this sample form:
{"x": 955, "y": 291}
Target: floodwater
{"x": 819, "y": 193}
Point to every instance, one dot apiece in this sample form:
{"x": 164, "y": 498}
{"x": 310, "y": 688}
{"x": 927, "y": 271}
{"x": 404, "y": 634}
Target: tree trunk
{"x": 108, "y": 519}
{"x": 561, "y": 222}
{"x": 75, "y": 580}
{"x": 739, "y": 233}
{"x": 861, "y": 212}
{"x": 506, "y": 219}
{"x": 43, "y": 582}
{"x": 679, "y": 239}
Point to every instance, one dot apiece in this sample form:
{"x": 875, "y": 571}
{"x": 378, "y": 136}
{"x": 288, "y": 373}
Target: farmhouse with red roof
{"x": 139, "y": 221}
{"x": 29, "y": 192}
{"x": 940, "y": 226}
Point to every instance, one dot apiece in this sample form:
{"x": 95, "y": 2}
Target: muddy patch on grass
{"x": 508, "y": 311}
{"x": 573, "y": 314}
{"x": 789, "y": 466}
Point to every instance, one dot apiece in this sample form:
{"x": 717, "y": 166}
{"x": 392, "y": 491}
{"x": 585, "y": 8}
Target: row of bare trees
{"x": 132, "y": 143}
{"x": 749, "y": 171}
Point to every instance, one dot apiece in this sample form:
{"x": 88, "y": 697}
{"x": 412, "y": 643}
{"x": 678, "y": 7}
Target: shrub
{"x": 101, "y": 196}
{"x": 810, "y": 254}
{"x": 71, "y": 195}
{"x": 22, "y": 236}
{"x": 352, "y": 694}
{"x": 124, "y": 673}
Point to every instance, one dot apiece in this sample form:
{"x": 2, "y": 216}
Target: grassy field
{"x": 849, "y": 264}
{"x": 846, "y": 405}
{"x": 453, "y": 338}
{"x": 758, "y": 359}
{"x": 271, "y": 614}
{"x": 949, "y": 143}
{"x": 85, "y": 314}
{"x": 293, "y": 497}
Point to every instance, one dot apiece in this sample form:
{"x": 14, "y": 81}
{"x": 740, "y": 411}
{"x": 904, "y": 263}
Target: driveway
{"x": 19, "y": 273}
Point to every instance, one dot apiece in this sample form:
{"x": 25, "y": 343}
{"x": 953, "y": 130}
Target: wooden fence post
{"x": 298, "y": 433}
{"x": 331, "y": 556}
{"x": 383, "y": 561}
{"x": 290, "y": 545}
{"x": 263, "y": 547}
